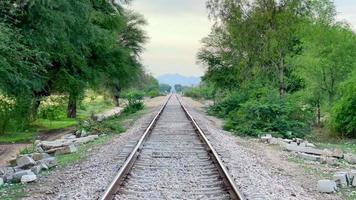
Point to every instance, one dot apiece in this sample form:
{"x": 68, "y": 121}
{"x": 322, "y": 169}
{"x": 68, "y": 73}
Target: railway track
{"x": 173, "y": 160}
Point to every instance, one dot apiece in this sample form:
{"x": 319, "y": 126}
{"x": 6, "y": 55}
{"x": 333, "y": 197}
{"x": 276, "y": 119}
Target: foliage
{"x": 344, "y": 110}
{"x": 178, "y": 88}
{"x": 134, "y": 98}
{"x": 270, "y": 114}
{"x": 53, "y": 108}
{"x": 203, "y": 91}
{"x": 295, "y": 47}
{"x": 165, "y": 88}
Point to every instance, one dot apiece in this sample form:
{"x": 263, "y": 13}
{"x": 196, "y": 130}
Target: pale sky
{"x": 176, "y": 27}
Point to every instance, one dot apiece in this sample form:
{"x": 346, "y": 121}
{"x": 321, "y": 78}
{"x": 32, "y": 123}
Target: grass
{"x": 17, "y": 137}
{"x": 12, "y": 192}
{"x": 92, "y": 104}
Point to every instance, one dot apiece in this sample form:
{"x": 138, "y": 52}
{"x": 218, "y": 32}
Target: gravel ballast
{"x": 259, "y": 174}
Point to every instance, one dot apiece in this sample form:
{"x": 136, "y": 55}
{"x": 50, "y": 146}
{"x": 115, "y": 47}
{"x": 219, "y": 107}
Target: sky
{"x": 176, "y": 27}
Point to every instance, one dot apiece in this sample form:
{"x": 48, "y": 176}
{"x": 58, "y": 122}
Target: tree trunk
{"x": 282, "y": 87}
{"x": 72, "y": 107}
{"x": 117, "y": 92}
{"x": 318, "y": 110}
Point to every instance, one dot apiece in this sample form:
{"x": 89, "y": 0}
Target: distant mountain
{"x": 173, "y": 79}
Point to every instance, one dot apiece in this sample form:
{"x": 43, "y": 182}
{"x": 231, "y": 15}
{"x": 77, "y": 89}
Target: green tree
{"x": 165, "y": 88}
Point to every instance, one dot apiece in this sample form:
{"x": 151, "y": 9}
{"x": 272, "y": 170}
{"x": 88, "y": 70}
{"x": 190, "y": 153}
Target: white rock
{"x": 353, "y": 182}
{"x": 28, "y": 178}
{"x": 66, "y": 150}
{"x": 25, "y": 161}
{"x": 16, "y": 177}
{"x": 311, "y": 157}
{"x": 350, "y": 158}
{"x": 267, "y": 138}
{"x": 1, "y": 181}
{"x": 340, "y": 178}
{"x": 36, "y": 169}
{"x": 49, "y": 162}
{"x": 330, "y": 161}
{"x": 327, "y": 186}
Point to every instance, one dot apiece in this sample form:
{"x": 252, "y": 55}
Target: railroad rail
{"x": 173, "y": 160}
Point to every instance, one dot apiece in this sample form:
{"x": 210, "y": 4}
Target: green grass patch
{"x": 82, "y": 152}
{"x": 12, "y": 192}
{"x": 56, "y": 124}
{"x": 346, "y": 146}
{"x": 18, "y": 137}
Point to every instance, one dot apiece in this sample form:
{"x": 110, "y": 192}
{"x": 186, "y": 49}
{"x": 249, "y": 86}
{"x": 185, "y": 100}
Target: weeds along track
{"x": 172, "y": 160}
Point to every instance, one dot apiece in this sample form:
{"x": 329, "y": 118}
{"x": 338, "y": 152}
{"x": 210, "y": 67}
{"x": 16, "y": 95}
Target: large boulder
{"x": 327, "y": 186}
{"x": 350, "y": 158}
{"x": 48, "y": 162}
{"x": 39, "y": 156}
{"x": 25, "y": 162}
{"x": 6, "y": 170}
{"x": 16, "y": 177}
{"x": 310, "y": 157}
{"x": 341, "y": 179}
{"x": 28, "y": 178}
{"x": 65, "y": 150}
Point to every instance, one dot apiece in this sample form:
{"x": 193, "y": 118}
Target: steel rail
{"x": 125, "y": 168}
{"x": 228, "y": 180}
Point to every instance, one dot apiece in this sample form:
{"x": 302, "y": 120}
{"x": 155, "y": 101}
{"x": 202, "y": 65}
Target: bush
{"x": 343, "y": 116}
{"x": 229, "y": 104}
{"x": 6, "y": 110}
{"x": 134, "y": 98}
{"x": 53, "y": 108}
{"x": 153, "y": 93}
{"x": 280, "y": 117}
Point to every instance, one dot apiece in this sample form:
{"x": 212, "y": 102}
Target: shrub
{"x": 134, "y": 98}
{"x": 343, "y": 116}
{"x": 6, "y": 111}
{"x": 153, "y": 93}
{"x": 281, "y": 117}
{"x": 53, "y": 108}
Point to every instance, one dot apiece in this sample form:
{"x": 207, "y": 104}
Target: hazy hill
{"x": 173, "y": 79}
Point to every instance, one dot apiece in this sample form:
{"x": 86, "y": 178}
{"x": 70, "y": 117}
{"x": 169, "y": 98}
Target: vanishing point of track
{"x": 173, "y": 160}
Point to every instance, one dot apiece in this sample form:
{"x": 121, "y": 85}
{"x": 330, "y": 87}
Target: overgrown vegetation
{"x": 53, "y": 52}
{"x": 282, "y": 67}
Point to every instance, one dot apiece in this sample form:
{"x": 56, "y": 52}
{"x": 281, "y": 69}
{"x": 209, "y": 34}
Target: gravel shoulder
{"x": 89, "y": 178}
{"x": 261, "y": 171}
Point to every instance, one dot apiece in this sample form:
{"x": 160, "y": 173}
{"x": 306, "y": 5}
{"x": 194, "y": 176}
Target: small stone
{"x": 341, "y": 179}
{"x": 28, "y": 178}
{"x": 25, "y": 162}
{"x": 350, "y": 158}
{"x": 327, "y": 186}
{"x": 310, "y": 145}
